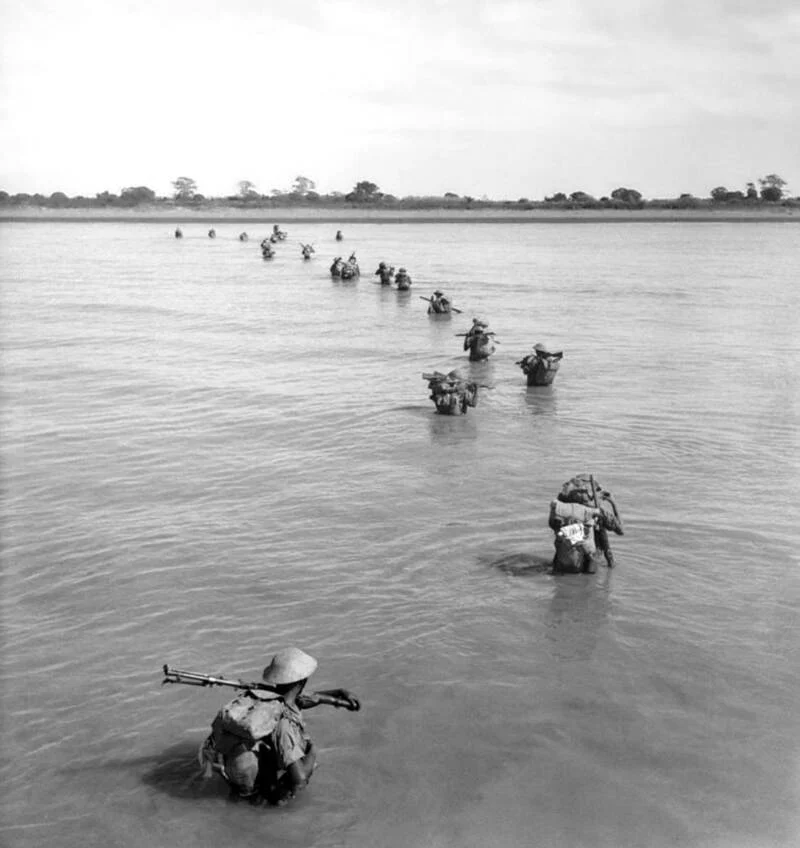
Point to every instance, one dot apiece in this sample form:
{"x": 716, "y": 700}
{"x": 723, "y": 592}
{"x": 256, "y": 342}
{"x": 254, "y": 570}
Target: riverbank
{"x": 233, "y": 215}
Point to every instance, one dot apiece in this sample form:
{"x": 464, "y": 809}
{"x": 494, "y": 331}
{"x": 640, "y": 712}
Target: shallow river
{"x": 207, "y": 457}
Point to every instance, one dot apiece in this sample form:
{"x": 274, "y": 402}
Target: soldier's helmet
{"x": 289, "y": 666}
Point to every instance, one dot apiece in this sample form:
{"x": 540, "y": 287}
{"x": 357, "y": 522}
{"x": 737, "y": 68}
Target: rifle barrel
{"x": 194, "y": 678}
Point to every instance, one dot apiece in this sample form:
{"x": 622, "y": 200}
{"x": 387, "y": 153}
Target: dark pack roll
{"x": 574, "y": 541}
{"x": 569, "y": 558}
{"x": 579, "y": 490}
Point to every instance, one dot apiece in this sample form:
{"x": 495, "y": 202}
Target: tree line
{"x": 772, "y": 190}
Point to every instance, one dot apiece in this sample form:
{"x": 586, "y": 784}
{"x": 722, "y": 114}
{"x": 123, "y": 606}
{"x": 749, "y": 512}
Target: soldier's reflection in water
{"x": 448, "y": 430}
{"x": 577, "y": 616}
{"x": 481, "y": 370}
{"x": 540, "y": 400}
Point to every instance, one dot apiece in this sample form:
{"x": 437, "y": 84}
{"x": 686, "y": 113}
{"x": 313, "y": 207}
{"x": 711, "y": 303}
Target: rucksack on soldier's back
{"x": 579, "y": 490}
{"x": 247, "y": 718}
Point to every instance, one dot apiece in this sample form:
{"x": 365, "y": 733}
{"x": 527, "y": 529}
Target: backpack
{"x": 563, "y": 514}
{"x": 246, "y": 719}
{"x": 573, "y": 524}
{"x": 578, "y": 490}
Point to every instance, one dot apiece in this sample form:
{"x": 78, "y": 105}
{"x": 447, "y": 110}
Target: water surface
{"x": 207, "y": 457}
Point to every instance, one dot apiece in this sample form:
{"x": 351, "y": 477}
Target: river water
{"x": 207, "y": 457}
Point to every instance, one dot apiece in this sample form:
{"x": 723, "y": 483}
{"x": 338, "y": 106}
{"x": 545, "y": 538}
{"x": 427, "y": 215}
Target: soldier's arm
{"x": 299, "y": 772}
{"x": 332, "y": 697}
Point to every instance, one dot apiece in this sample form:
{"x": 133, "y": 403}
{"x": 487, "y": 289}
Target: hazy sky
{"x": 483, "y": 97}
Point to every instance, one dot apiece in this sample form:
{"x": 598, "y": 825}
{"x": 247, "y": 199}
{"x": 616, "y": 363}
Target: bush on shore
{"x": 144, "y": 198}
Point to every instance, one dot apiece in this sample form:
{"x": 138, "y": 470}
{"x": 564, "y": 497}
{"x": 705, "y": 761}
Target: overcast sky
{"x": 481, "y": 97}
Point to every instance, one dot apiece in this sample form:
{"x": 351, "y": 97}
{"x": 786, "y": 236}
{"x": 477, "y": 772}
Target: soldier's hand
{"x": 352, "y": 702}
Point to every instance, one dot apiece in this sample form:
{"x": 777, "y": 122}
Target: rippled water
{"x": 207, "y": 457}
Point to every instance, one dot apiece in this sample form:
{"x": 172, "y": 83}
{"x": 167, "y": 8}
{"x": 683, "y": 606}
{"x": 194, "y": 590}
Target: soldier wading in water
{"x": 258, "y": 741}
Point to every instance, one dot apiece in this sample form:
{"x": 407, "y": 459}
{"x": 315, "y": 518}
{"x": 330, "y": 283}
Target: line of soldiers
{"x": 258, "y": 742}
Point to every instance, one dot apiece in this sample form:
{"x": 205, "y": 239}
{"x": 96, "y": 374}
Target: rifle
{"x": 332, "y": 697}
{"x": 438, "y": 377}
{"x": 594, "y": 492}
{"x": 554, "y": 356}
{"x": 452, "y": 308}
{"x": 619, "y": 531}
{"x": 477, "y": 335}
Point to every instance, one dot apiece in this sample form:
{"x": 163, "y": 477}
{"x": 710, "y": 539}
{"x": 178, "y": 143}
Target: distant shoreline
{"x": 232, "y": 215}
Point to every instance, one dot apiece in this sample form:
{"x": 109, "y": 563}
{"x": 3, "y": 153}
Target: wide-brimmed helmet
{"x": 289, "y": 666}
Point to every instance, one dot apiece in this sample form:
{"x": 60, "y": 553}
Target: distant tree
{"x": 752, "y": 192}
{"x": 687, "y": 201}
{"x": 722, "y": 195}
{"x": 4, "y": 198}
{"x": 303, "y": 185}
{"x": 772, "y": 187}
{"x": 185, "y": 189}
{"x": 364, "y": 191}
{"x": 58, "y": 200}
{"x": 451, "y": 195}
{"x": 558, "y": 197}
{"x": 136, "y": 195}
{"x": 627, "y": 195}
{"x": 247, "y": 190}
{"x": 106, "y": 198}
{"x": 581, "y": 197}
